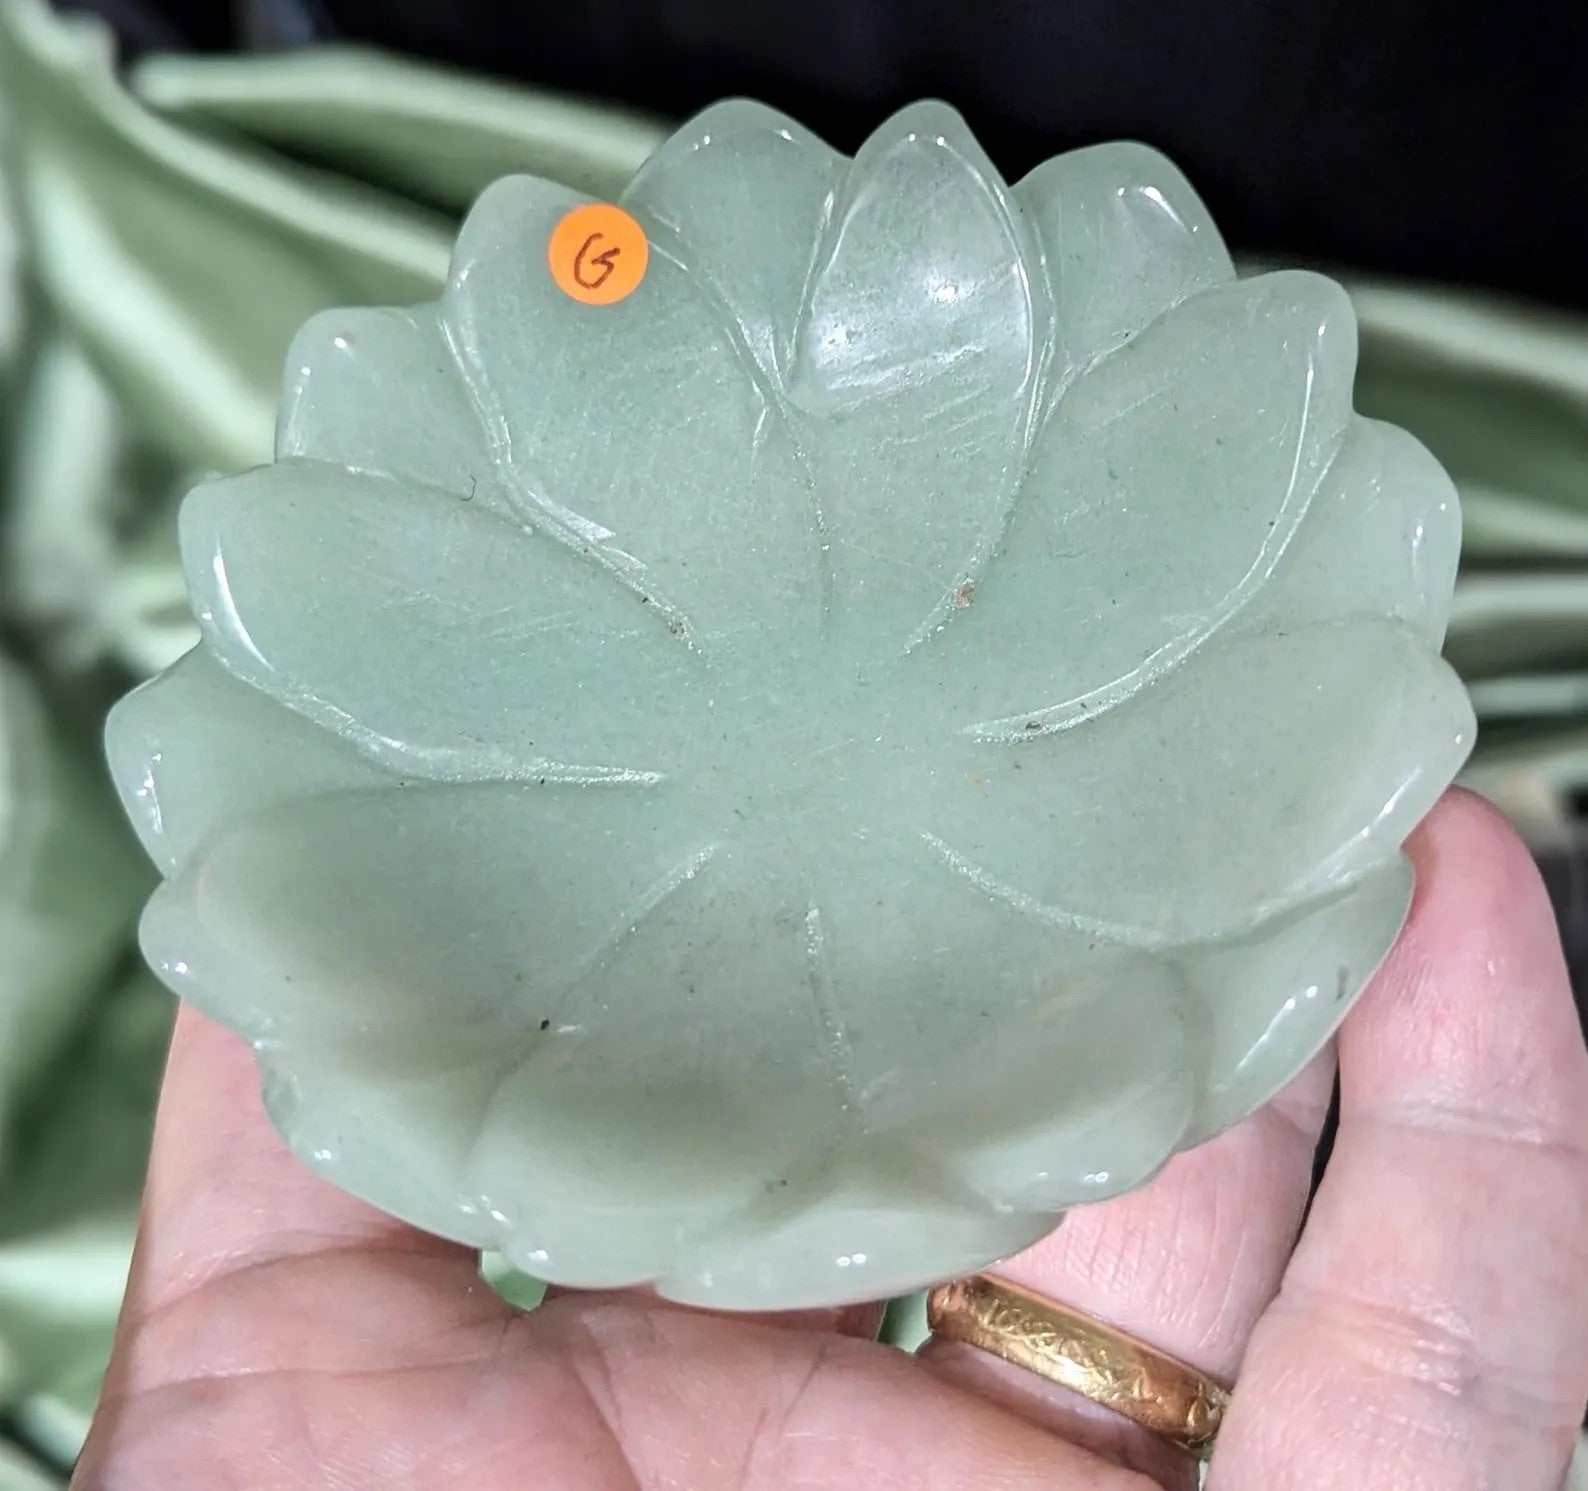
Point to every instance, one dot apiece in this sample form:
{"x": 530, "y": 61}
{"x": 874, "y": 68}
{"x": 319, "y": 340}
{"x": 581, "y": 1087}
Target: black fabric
{"x": 1566, "y": 875}
{"x": 161, "y": 25}
{"x": 1419, "y": 136}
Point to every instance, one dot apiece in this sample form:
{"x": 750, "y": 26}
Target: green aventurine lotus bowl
{"x": 777, "y": 787}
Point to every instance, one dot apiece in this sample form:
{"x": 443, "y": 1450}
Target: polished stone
{"x": 779, "y": 786}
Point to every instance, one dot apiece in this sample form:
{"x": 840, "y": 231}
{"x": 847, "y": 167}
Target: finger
{"x": 1432, "y": 1329}
{"x": 1188, "y": 1264}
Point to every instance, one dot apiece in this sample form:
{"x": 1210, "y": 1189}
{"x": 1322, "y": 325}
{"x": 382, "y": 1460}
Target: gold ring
{"x": 1095, "y": 1360}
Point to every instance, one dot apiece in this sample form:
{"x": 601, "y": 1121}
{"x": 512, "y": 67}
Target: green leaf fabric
{"x": 432, "y": 135}
{"x": 176, "y": 257}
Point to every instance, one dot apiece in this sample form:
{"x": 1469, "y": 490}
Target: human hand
{"x": 1429, "y": 1332}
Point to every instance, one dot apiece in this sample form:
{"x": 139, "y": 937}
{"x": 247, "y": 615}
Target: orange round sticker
{"x": 598, "y": 254}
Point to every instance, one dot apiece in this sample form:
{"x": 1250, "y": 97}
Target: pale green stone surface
{"x": 778, "y": 787}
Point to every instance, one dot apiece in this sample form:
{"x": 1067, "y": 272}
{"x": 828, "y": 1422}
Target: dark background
{"x": 1442, "y": 138}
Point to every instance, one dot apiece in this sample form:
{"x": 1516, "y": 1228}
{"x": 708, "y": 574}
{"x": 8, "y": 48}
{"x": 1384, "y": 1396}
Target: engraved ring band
{"x": 1095, "y": 1360}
